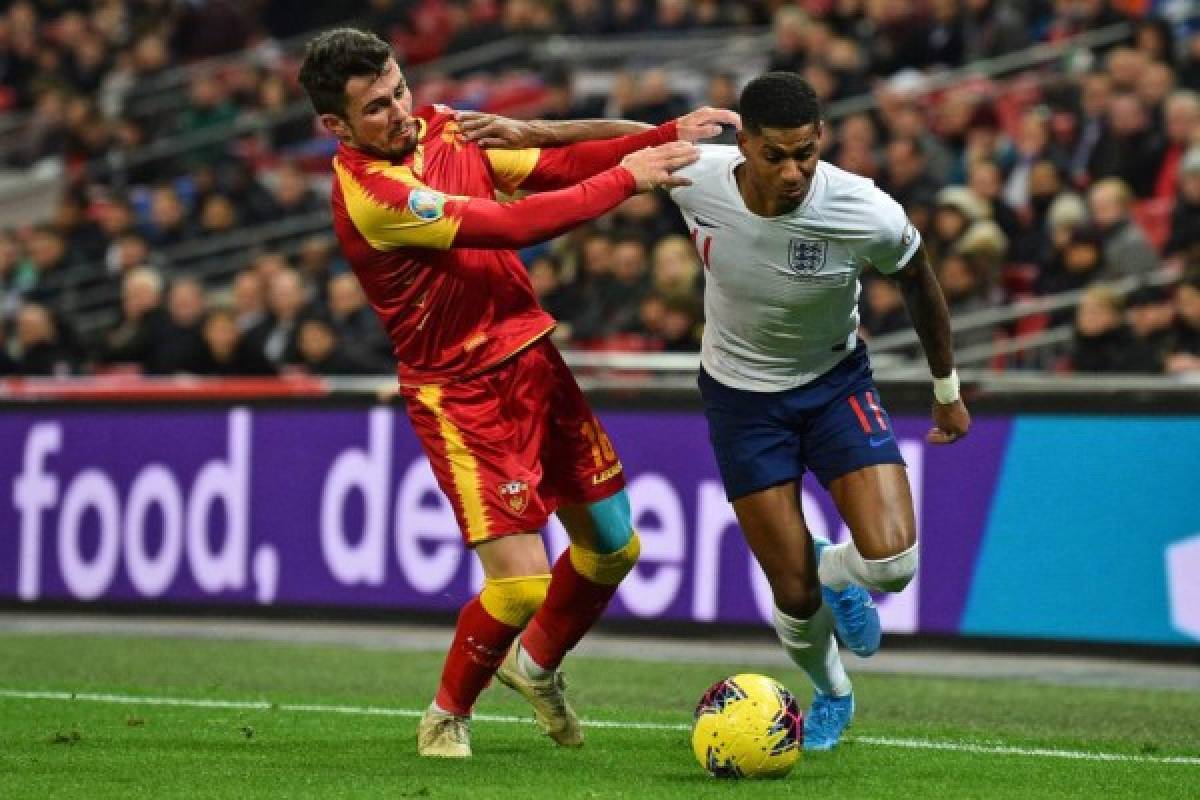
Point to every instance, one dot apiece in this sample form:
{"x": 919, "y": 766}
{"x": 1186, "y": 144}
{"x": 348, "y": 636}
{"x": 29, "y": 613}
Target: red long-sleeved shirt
{"x": 433, "y": 250}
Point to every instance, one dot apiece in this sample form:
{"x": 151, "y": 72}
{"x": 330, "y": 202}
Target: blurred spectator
{"x": 138, "y": 336}
{"x": 128, "y": 251}
{"x": 676, "y": 271}
{"x": 966, "y": 291}
{"x": 10, "y": 257}
{"x": 1130, "y": 148}
{"x": 39, "y": 348}
{"x": 225, "y": 351}
{"x": 277, "y": 335}
{"x": 593, "y": 285}
{"x": 1126, "y": 250}
{"x": 293, "y": 194}
{"x": 1095, "y": 90}
{"x": 1184, "y": 356}
{"x": 317, "y": 260}
{"x": 84, "y": 239}
{"x": 218, "y": 216}
{"x": 984, "y": 245}
{"x": 209, "y": 112}
{"x": 1185, "y": 218}
{"x": 631, "y": 282}
{"x": 656, "y": 102}
{"x": 321, "y": 352}
{"x": 45, "y": 271}
{"x": 680, "y": 328}
{"x": 944, "y": 37}
{"x": 986, "y": 180}
{"x": 956, "y": 209}
{"x": 992, "y": 28}
{"x": 905, "y": 175}
{"x": 1080, "y": 262}
{"x": 883, "y": 308}
{"x": 1033, "y": 146}
{"x": 1151, "y": 316}
{"x": 249, "y": 300}
{"x": 183, "y": 334}
{"x": 545, "y": 275}
{"x": 169, "y": 224}
{"x": 1153, "y": 37}
{"x": 1182, "y": 123}
{"x": 789, "y": 30}
{"x": 1103, "y": 342}
{"x": 354, "y": 321}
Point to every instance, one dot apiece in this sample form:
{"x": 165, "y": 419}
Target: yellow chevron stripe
{"x": 463, "y": 467}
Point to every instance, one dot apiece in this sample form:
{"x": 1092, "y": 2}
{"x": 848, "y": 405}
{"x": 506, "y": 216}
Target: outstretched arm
{"x": 391, "y": 209}
{"x": 931, "y": 319}
{"x": 530, "y": 154}
{"x": 490, "y": 130}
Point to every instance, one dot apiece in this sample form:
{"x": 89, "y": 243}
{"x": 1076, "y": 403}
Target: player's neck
{"x": 757, "y": 201}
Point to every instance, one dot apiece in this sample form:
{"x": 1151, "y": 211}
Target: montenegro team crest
{"x": 515, "y": 495}
{"x": 806, "y": 256}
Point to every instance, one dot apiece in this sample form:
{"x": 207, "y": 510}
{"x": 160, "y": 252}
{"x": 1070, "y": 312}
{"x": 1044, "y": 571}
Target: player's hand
{"x": 705, "y": 123}
{"x": 950, "y": 422}
{"x": 652, "y": 166}
{"x": 491, "y": 130}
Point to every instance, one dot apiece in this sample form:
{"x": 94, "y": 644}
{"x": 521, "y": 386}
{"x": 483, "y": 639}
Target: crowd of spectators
{"x": 1051, "y": 181}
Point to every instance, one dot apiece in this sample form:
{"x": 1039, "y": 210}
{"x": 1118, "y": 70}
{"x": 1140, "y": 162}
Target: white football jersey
{"x": 781, "y": 293}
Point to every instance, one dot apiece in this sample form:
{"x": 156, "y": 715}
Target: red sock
{"x": 480, "y": 642}
{"x": 573, "y": 604}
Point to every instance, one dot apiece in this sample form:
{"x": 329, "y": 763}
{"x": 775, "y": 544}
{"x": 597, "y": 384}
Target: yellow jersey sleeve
{"x": 391, "y": 208}
{"x": 510, "y": 168}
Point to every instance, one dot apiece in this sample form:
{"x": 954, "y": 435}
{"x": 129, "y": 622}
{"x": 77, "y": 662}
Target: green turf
{"x": 63, "y": 748}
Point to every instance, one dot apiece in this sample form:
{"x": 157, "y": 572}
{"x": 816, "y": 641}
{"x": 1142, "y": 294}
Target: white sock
{"x": 811, "y": 646}
{"x": 531, "y": 668}
{"x": 842, "y": 565}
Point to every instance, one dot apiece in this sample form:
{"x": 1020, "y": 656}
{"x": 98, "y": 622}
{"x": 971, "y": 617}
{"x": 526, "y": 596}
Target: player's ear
{"x": 337, "y": 126}
{"x": 743, "y": 139}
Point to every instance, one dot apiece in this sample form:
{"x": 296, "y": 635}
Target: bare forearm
{"x": 554, "y": 133}
{"x": 927, "y": 309}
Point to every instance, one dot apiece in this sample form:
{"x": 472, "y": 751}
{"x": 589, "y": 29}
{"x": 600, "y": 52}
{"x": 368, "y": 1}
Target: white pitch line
{"x": 880, "y": 741}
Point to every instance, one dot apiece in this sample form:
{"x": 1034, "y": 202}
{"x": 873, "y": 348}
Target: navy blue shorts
{"x": 833, "y": 426}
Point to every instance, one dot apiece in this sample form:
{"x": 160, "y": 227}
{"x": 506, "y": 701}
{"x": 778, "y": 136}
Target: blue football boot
{"x": 826, "y": 720}
{"x": 855, "y": 617}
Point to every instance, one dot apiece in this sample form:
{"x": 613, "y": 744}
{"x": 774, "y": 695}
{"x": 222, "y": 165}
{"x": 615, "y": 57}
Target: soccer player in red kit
{"x": 507, "y": 430}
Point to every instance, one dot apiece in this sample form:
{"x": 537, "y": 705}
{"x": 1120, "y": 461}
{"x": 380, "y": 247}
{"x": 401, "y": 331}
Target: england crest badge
{"x": 806, "y": 256}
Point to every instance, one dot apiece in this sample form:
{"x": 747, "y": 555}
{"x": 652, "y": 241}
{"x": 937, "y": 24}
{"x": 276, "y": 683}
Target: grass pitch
{"x": 334, "y": 722}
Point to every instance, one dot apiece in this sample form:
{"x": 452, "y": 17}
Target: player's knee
{"x": 894, "y": 573}
{"x": 607, "y": 569}
{"x": 514, "y": 601}
{"x": 796, "y": 598}
{"x": 612, "y": 522}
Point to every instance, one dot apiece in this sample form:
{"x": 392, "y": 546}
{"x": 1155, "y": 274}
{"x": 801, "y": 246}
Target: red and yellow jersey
{"x": 433, "y": 250}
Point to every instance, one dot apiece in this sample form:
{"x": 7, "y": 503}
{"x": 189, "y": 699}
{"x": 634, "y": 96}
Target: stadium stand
{"x": 163, "y": 178}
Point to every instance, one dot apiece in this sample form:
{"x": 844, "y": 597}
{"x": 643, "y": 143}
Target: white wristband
{"x": 945, "y": 390}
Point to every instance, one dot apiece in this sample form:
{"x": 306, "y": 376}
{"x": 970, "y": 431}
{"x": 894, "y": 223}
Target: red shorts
{"x": 512, "y": 445}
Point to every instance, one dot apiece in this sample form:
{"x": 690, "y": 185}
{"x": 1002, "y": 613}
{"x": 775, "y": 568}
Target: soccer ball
{"x": 748, "y": 726}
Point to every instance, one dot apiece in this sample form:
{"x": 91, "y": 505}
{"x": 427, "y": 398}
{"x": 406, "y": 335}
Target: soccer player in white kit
{"x": 786, "y": 381}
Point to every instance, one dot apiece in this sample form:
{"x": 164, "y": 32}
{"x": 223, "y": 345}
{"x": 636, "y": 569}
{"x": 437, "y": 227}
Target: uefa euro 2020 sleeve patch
{"x": 426, "y": 205}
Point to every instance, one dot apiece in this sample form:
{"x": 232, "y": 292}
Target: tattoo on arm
{"x": 927, "y": 309}
{"x": 553, "y": 133}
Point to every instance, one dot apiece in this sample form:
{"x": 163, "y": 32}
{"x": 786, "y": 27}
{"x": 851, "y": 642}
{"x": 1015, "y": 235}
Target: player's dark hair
{"x": 778, "y": 100}
{"x": 336, "y": 56}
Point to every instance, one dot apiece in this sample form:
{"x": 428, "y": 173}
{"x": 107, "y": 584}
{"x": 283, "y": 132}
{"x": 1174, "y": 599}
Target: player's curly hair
{"x": 336, "y": 56}
{"x": 778, "y": 100}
